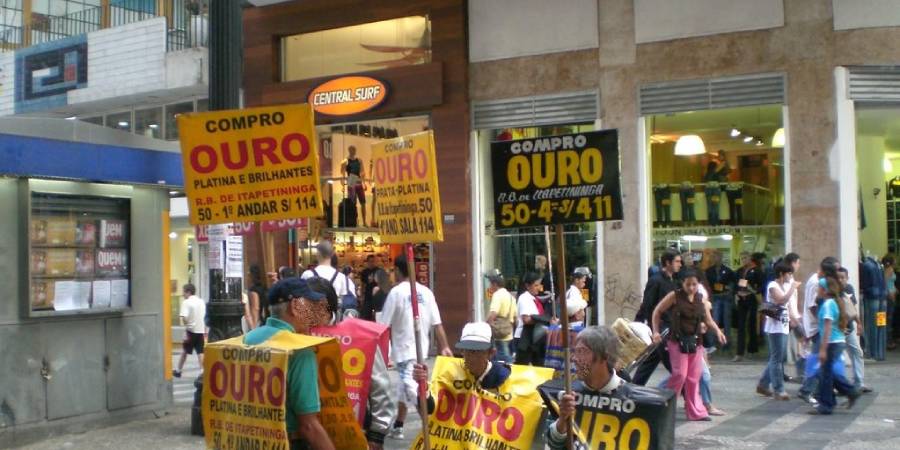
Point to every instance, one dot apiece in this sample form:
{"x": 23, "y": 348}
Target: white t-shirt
{"x": 810, "y": 320}
{"x": 525, "y": 307}
{"x": 397, "y": 313}
{"x": 573, "y": 293}
{"x": 340, "y": 283}
{"x": 792, "y": 305}
{"x": 777, "y": 326}
{"x": 193, "y": 310}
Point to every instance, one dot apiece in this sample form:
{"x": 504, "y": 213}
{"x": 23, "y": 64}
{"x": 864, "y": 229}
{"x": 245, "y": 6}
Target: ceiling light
{"x": 123, "y": 123}
{"x": 759, "y": 143}
{"x": 748, "y": 139}
{"x": 173, "y": 235}
{"x": 71, "y": 118}
{"x": 735, "y": 132}
{"x": 778, "y": 138}
{"x": 693, "y": 238}
{"x": 726, "y": 237}
{"x": 153, "y": 125}
{"x": 689, "y": 145}
{"x": 888, "y": 165}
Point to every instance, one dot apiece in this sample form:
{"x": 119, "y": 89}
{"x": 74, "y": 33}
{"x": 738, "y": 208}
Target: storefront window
{"x": 717, "y": 182}
{"x": 379, "y": 45}
{"x": 120, "y": 121}
{"x": 172, "y": 112}
{"x": 878, "y": 172}
{"x": 148, "y": 122}
{"x": 94, "y": 120}
{"x": 518, "y": 251}
{"x": 79, "y": 254}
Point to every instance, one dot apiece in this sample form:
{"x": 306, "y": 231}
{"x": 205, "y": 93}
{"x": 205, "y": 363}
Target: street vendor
{"x": 294, "y": 307}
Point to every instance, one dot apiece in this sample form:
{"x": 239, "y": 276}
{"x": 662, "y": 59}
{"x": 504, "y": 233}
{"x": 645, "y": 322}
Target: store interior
{"x": 878, "y": 166}
{"x": 717, "y": 182}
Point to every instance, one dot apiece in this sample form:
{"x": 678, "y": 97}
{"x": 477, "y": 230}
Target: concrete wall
{"x": 806, "y": 49}
{"x": 865, "y": 14}
{"x": 102, "y": 367}
{"x": 509, "y": 28}
{"x": 661, "y": 20}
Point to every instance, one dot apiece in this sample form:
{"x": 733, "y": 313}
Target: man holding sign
{"x": 294, "y": 307}
{"x": 606, "y": 409}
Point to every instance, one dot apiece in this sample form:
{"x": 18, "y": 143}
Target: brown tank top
{"x": 687, "y": 315}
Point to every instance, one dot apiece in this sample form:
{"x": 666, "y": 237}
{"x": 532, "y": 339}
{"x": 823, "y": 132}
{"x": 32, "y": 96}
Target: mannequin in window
{"x": 352, "y": 167}
{"x": 717, "y": 171}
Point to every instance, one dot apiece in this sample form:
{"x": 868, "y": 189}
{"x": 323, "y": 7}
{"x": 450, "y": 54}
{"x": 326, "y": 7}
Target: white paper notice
{"x": 82, "y": 295}
{"x": 63, "y": 294}
{"x": 234, "y": 265}
{"x": 102, "y": 293}
{"x": 216, "y": 255}
{"x": 119, "y": 294}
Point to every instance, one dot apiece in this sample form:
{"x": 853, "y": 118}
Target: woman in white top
{"x": 529, "y": 345}
{"x": 779, "y": 292}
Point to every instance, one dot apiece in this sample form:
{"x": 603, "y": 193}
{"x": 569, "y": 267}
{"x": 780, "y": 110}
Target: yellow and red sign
{"x": 346, "y": 96}
{"x": 406, "y": 186}
{"x": 470, "y": 418}
{"x": 250, "y": 165}
{"x": 245, "y": 391}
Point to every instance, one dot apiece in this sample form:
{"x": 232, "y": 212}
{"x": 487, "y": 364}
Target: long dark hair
{"x": 528, "y": 279}
{"x": 835, "y": 290}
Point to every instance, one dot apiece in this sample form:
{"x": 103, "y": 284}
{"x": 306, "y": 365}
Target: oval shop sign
{"x": 347, "y": 95}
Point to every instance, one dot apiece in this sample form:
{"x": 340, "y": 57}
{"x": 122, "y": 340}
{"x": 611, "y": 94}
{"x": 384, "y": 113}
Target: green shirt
{"x": 303, "y": 373}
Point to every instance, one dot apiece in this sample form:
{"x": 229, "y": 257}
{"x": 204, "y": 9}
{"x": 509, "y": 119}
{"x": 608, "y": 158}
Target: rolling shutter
{"x": 568, "y": 108}
{"x": 695, "y": 95}
{"x": 875, "y": 84}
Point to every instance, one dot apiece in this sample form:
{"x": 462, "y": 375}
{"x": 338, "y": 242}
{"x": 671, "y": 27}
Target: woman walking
{"x": 687, "y": 312}
{"x": 832, "y": 321}
{"x": 531, "y": 332}
{"x": 779, "y": 293}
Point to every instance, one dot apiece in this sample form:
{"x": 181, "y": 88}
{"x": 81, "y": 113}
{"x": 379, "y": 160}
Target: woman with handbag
{"x": 777, "y": 327}
{"x": 531, "y": 333}
{"x": 687, "y": 311}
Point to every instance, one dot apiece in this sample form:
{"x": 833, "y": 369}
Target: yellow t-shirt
{"x": 504, "y": 304}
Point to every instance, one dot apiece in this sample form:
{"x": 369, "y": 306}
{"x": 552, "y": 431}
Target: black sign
{"x": 570, "y": 178}
{"x": 631, "y": 417}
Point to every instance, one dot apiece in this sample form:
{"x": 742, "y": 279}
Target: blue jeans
{"x": 713, "y": 195}
{"x": 722, "y": 307}
{"x": 663, "y": 206}
{"x": 829, "y": 381}
{"x": 773, "y": 374}
{"x": 810, "y": 382}
{"x": 503, "y": 351}
{"x": 687, "y": 204}
{"x": 876, "y": 337}
{"x": 856, "y": 356}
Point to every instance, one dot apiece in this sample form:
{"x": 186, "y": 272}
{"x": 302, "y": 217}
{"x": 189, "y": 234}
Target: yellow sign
{"x": 345, "y": 96}
{"x": 250, "y": 165}
{"x": 467, "y": 417}
{"x": 406, "y": 186}
{"x": 245, "y": 391}
{"x": 881, "y": 319}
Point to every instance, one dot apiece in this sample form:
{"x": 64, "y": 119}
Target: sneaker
{"x": 737, "y": 358}
{"x": 765, "y": 392}
{"x": 782, "y": 396}
{"x": 176, "y": 373}
{"x": 808, "y": 398}
{"x": 396, "y": 433}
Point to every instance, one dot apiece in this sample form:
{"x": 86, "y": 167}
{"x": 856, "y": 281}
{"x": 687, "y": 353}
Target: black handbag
{"x": 687, "y": 344}
{"x": 772, "y": 310}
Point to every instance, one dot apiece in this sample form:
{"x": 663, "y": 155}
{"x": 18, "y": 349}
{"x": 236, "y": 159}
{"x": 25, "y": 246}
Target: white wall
{"x": 7, "y": 83}
{"x": 125, "y": 60}
{"x": 501, "y": 29}
{"x": 662, "y": 20}
{"x": 865, "y": 14}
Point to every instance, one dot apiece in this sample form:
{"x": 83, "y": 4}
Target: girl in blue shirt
{"x": 832, "y": 322}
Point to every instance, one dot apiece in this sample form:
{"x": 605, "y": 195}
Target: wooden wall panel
{"x": 414, "y": 90}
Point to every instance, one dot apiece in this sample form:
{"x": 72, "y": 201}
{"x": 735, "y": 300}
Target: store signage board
{"x": 346, "y": 96}
{"x": 406, "y": 185}
{"x": 569, "y": 178}
{"x": 251, "y": 165}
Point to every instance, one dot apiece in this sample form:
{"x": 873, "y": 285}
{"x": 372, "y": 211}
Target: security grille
{"x": 695, "y": 95}
{"x": 875, "y": 84}
{"x": 568, "y": 108}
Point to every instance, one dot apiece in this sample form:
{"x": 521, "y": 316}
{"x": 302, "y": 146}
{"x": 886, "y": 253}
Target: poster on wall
{"x": 113, "y": 233}
{"x": 234, "y": 263}
{"x": 102, "y": 293}
{"x": 569, "y": 178}
{"x": 250, "y": 164}
{"x": 118, "y": 294}
{"x": 112, "y": 262}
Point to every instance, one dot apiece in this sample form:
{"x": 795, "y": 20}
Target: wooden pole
{"x": 564, "y": 315}
{"x": 552, "y": 288}
{"x": 420, "y": 357}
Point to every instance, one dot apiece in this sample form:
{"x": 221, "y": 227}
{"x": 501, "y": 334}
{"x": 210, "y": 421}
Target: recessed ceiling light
{"x": 748, "y": 139}
{"x": 735, "y": 133}
{"x": 759, "y": 143}
{"x": 71, "y": 118}
{"x": 153, "y": 125}
{"x": 123, "y": 123}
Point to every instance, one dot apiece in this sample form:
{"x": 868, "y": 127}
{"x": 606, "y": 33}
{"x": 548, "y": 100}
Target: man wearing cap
{"x": 295, "y": 308}
{"x": 324, "y": 253}
{"x": 502, "y": 316}
{"x": 478, "y": 351}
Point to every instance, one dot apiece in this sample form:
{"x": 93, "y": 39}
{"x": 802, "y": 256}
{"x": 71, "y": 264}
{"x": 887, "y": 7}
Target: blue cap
{"x": 293, "y": 287}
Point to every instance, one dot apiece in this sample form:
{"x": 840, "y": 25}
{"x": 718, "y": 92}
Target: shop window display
{"x": 79, "y": 256}
{"x": 717, "y": 182}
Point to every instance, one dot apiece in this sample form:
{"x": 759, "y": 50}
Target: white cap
{"x": 475, "y": 336}
{"x": 573, "y": 306}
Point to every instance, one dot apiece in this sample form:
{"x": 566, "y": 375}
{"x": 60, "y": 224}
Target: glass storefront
{"x": 878, "y": 172}
{"x": 717, "y": 182}
{"x": 518, "y": 251}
